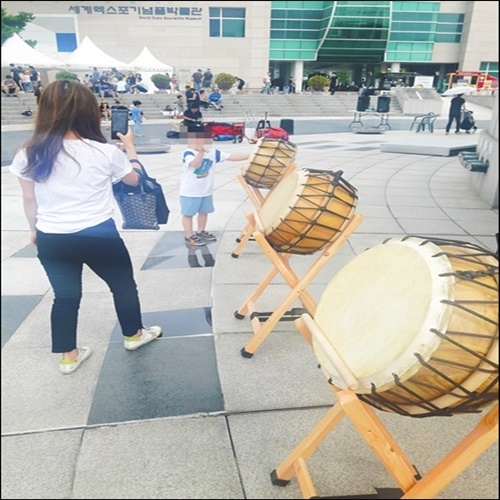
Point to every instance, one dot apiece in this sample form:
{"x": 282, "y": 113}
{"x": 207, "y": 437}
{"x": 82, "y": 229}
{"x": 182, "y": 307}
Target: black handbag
{"x": 143, "y": 206}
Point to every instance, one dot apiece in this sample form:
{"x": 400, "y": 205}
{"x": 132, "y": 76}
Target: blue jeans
{"x": 137, "y": 127}
{"x": 102, "y": 249}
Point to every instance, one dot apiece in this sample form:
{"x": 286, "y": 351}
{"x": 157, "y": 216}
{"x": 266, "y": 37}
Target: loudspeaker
{"x": 287, "y": 124}
{"x": 383, "y": 104}
{"x": 363, "y": 103}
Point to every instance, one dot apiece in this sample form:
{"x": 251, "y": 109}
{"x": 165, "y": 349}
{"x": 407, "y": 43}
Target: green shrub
{"x": 224, "y": 81}
{"x": 318, "y": 82}
{"x": 161, "y": 81}
{"x": 66, "y": 75}
{"x": 343, "y": 77}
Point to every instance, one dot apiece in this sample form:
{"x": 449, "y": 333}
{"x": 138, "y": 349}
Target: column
{"x": 298, "y": 74}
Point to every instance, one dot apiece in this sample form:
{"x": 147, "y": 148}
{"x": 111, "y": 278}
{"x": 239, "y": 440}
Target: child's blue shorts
{"x": 191, "y": 206}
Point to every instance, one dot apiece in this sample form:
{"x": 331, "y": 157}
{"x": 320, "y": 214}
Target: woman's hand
{"x": 127, "y": 140}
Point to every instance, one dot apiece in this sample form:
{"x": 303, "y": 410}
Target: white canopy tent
{"x": 88, "y": 55}
{"x": 146, "y": 61}
{"x": 16, "y": 51}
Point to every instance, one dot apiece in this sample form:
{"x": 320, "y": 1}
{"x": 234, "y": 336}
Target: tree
{"x": 67, "y": 75}
{"x": 14, "y": 23}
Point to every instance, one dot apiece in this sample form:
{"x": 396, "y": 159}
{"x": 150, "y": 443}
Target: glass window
{"x": 227, "y": 22}
{"x": 234, "y": 13}
{"x": 214, "y": 25}
{"x": 450, "y": 18}
{"x": 417, "y": 37}
{"x": 233, "y": 28}
{"x": 438, "y": 38}
{"x": 449, "y": 28}
{"x": 66, "y": 42}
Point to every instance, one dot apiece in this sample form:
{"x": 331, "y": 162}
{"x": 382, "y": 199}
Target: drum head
{"x": 280, "y": 201}
{"x": 377, "y": 312}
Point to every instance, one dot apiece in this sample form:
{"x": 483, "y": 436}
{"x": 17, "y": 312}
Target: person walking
{"x": 65, "y": 170}
{"x": 455, "y": 113}
{"x": 332, "y": 87}
{"x": 137, "y": 116}
{"x": 266, "y": 89}
{"x": 197, "y": 184}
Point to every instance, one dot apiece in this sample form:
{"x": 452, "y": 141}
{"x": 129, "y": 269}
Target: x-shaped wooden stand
{"x": 298, "y": 286}
{"x": 258, "y": 199}
{"x": 378, "y": 438}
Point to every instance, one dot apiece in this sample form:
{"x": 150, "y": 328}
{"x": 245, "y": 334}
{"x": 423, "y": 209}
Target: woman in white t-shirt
{"x": 66, "y": 170}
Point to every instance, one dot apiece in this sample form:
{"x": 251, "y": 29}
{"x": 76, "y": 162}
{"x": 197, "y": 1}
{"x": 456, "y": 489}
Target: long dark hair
{"x": 65, "y": 106}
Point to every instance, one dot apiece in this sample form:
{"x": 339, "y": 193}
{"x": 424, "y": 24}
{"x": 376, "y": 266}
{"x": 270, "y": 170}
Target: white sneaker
{"x": 68, "y": 366}
{"x": 148, "y": 334}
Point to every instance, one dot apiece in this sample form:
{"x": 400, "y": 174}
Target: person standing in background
{"x": 455, "y": 113}
{"x": 333, "y": 83}
{"x": 208, "y": 78}
{"x": 66, "y": 170}
{"x": 197, "y": 77}
{"x": 137, "y": 117}
{"x": 15, "y": 71}
{"x": 38, "y": 93}
{"x": 266, "y": 89}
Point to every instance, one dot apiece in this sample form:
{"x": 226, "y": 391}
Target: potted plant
{"x": 161, "y": 82}
{"x": 224, "y": 81}
{"x": 318, "y": 83}
{"x": 66, "y": 75}
{"x": 343, "y": 79}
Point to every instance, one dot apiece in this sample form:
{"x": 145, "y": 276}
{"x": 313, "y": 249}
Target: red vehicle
{"x": 226, "y": 131}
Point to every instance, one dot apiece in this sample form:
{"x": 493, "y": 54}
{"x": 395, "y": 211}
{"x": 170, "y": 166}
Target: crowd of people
{"x": 22, "y": 80}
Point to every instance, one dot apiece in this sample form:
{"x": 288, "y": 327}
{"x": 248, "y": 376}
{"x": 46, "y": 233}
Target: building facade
{"x": 296, "y": 38}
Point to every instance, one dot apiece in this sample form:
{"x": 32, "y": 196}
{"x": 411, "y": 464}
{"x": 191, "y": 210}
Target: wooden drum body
{"x": 416, "y": 322}
{"x": 307, "y": 210}
{"x": 269, "y": 162}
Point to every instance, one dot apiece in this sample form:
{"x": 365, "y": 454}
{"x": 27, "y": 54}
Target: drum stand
{"x": 282, "y": 266}
{"x": 371, "y": 429}
{"x": 258, "y": 199}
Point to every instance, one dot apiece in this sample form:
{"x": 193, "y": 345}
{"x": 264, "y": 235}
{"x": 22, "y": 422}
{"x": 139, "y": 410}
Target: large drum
{"x": 306, "y": 210}
{"x": 416, "y": 322}
{"x": 269, "y": 162}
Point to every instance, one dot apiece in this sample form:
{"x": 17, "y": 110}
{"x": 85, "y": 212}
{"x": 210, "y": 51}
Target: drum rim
{"x": 438, "y": 317}
{"x": 263, "y": 182}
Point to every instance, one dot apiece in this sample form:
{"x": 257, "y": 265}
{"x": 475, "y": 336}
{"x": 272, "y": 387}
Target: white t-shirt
{"x": 76, "y": 195}
{"x": 199, "y": 182}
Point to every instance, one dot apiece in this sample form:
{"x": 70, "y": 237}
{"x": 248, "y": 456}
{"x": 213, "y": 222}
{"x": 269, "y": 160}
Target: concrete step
{"x": 247, "y": 106}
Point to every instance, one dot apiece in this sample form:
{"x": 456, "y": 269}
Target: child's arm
{"x": 238, "y": 157}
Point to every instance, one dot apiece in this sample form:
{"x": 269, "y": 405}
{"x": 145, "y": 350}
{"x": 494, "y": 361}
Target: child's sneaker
{"x": 194, "y": 241}
{"x": 148, "y": 334}
{"x": 206, "y": 236}
{"x": 68, "y": 366}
